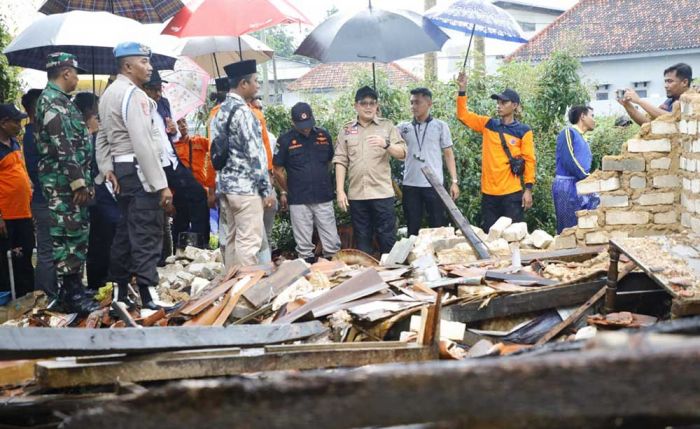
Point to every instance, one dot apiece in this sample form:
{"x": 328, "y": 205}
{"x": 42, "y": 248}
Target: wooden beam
{"x": 234, "y": 295}
{"x": 457, "y": 217}
{"x": 62, "y": 374}
{"x": 577, "y": 254}
{"x": 21, "y": 343}
{"x": 573, "y": 317}
{"x": 561, "y": 389}
{"x": 541, "y": 298}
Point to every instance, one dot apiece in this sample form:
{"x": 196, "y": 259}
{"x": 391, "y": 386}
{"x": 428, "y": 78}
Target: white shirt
{"x": 168, "y": 155}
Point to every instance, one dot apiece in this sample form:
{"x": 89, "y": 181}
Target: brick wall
{"x": 652, "y": 188}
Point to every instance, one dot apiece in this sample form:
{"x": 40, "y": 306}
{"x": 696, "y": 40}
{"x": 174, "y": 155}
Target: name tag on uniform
{"x": 351, "y": 130}
{"x": 321, "y": 139}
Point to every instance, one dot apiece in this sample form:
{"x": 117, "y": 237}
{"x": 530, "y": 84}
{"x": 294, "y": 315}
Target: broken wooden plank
{"x": 267, "y": 289}
{"x": 457, "y": 217}
{"x": 573, "y": 317}
{"x": 208, "y": 316}
{"x": 518, "y": 303}
{"x": 21, "y": 343}
{"x": 493, "y": 393}
{"x": 16, "y": 372}
{"x": 64, "y": 374}
{"x": 577, "y": 254}
{"x": 234, "y": 295}
{"x": 366, "y": 283}
{"x": 196, "y": 306}
{"x": 519, "y": 278}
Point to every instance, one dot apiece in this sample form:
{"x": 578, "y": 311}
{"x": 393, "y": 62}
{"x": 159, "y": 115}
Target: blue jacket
{"x": 573, "y": 155}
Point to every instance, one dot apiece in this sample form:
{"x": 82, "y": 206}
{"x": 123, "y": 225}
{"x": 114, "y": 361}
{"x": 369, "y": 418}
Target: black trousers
{"x": 416, "y": 201}
{"x": 104, "y": 216}
{"x": 20, "y": 236}
{"x": 370, "y": 217}
{"x": 495, "y": 206}
{"x": 190, "y": 201}
{"x": 138, "y": 239}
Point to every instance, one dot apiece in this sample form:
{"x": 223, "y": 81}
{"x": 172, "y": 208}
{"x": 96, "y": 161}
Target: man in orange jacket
{"x": 193, "y": 152}
{"x": 501, "y": 190}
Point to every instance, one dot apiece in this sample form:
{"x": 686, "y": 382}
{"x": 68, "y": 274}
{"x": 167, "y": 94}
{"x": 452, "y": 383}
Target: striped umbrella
{"x": 144, "y": 11}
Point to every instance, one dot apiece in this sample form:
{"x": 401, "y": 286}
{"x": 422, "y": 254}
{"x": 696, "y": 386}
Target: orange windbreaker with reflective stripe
{"x": 496, "y": 177}
{"x": 201, "y": 167}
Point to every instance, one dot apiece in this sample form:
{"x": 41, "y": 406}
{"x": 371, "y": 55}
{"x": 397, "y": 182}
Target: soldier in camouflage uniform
{"x": 65, "y": 148}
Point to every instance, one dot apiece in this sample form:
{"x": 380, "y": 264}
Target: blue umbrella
{"x": 477, "y": 17}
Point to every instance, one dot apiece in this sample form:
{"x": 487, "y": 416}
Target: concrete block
{"x": 665, "y": 218}
{"x": 623, "y": 163}
{"x": 638, "y": 182}
{"x": 541, "y": 239}
{"x": 186, "y": 277}
{"x": 658, "y": 145}
{"x": 515, "y": 232}
{"x": 666, "y": 181}
{"x": 685, "y": 220}
{"x": 696, "y": 146}
{"x": 695, "y": 186}
{"x": 682, "y": 163}
{"x": 692, "y": 165}
{"x": 658, "y": 198}
{"x": 588, "y": 222}
{"x": 565, "y": 241}
{"x": 695, "y": 224}
{"x": 683, "y": 126}
{"x": 618, "y": 217}
{"x": 198, "y": 284}
{"x": 496, "y": 230}
{"x": 614, "y": 200}
{"x": 663, "y": 127}
{"x": 687, "y": 184}
{"x": 597, "y": 237}
{"x": 617, "y": 235}
{"x": 692, "y": 127}
{"x": 660, "y": 163}
{"x": 592, "y": 186}
{"x": 499, "y": 247}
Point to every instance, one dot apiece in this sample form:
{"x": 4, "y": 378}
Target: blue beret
{"x": 131, "y": 49}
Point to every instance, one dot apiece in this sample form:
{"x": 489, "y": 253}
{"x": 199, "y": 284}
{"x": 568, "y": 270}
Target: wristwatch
{"x": 283, "y": 192}
{"x": 455, "y": 181}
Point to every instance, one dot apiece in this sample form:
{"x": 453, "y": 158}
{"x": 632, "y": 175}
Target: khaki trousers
{"x": 244, "y": 228}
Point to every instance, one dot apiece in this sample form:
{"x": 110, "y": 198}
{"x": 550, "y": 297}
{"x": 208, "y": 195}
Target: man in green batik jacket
{"x": 65, "y": 155}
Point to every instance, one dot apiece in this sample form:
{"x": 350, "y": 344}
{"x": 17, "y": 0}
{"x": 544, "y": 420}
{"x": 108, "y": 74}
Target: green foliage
{"x": 10, "y": 89}
{"x": 607, "y": 139}
{"x": 546, "y": 89}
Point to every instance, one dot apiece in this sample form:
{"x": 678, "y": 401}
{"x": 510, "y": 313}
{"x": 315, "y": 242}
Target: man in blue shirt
{"x": 677, "y": 80}
{"x": 45, "y": 273}
{"x": 302, "y": 170}
{"x": 573, "y": 163}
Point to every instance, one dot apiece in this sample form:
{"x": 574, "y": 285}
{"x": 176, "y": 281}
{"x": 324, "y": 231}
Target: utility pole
{"x": 429, "y": 59}
{"x": 266, "y": 81}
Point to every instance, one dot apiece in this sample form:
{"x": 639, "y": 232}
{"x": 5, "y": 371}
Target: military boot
{"x": 121, "y": 294}
{"x": 73, "y": 298}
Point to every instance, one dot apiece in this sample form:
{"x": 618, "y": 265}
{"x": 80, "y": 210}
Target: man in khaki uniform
{"x": 362, "y": 151}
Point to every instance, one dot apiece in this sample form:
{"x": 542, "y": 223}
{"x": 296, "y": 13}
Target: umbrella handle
{"x": 469, "y": 47}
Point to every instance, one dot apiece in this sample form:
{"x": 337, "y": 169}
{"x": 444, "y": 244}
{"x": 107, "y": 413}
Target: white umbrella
{"x": 90, "y": 36}
{"x": 212, "y": 53}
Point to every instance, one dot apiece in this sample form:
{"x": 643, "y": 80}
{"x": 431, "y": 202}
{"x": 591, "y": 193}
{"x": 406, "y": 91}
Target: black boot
{"x": 147, "y": 299}
{"x": 74, "y": 299}
{"x": 121, "y": 294}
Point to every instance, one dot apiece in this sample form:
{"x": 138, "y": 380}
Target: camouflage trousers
{"x": 69, "y": 233}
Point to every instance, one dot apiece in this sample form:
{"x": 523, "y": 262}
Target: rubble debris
{"x": 623, "y": 319}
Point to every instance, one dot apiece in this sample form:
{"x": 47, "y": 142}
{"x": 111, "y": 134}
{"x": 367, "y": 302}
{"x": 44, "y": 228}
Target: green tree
{"x": 10, "y": 89}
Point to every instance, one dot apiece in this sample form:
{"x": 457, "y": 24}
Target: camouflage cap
{"x": 58, "y": 59}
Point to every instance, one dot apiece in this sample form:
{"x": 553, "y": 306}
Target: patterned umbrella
{"x": 186, "y": 88}
{"x": 91, "y": 36}
{"x": 144, "y": 11}
{"x": 477, "y": 17}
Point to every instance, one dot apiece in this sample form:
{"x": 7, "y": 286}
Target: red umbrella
{"x": 233, "y": 17}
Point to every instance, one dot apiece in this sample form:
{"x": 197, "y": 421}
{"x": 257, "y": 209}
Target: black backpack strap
{"x": 504, "y": 144}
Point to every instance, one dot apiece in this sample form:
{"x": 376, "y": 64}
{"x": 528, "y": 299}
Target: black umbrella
{"x": 372, "y": 35}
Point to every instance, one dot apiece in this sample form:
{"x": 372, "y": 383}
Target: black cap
{"x": 12, "y": 112}
{"x": 222, "y": 84}
{"x": 507, "y": 95}
{"x": 365, "y": 92}
{"x": 155, "y": 79}
{"x": 302, "y": 116}
{"x": 241, "y": 68}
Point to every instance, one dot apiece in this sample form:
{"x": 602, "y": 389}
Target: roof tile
{"x": 341, "y": 75}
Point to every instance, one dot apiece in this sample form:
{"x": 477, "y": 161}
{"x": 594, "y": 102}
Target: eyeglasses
{"x": 368, "y": 103}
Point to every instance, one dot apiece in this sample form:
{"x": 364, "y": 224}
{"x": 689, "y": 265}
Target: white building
{"x": 623, "y": 44}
